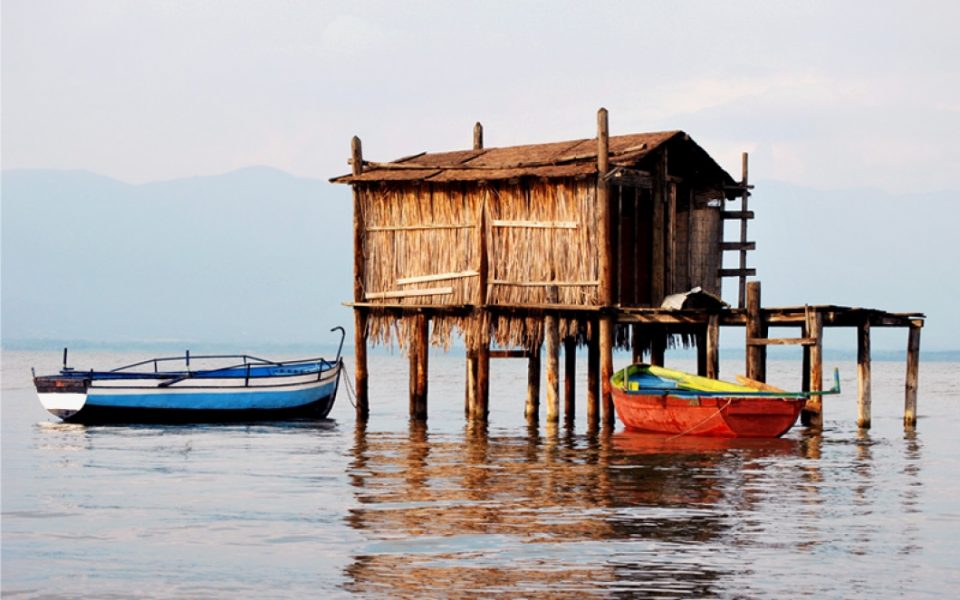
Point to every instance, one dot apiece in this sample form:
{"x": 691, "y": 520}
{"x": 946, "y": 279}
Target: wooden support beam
{"x": 713, "y": 347}
{"x": 913, "y": 375}
{"x": 510, "y": 354}
{"x": 751, "y": 272}
{"x": 604, "y": 266}
{"x": 419, "y": 353}
{"x": 736, "y": 215}
{"x": 812, "y": 413}
{"x": 359, "y": 315}
{"x": 551, "y": 342}
{"x": 360, "y": 364}
{"x": 756, "y": 354}
{"x": 532, "y": 407}
{"x": 593, "y": 377}
{"x": 658, "y": 347}
{"x": 481, "y": 408}
{"x": 743, "y": 233}
{"x": 780, "y": 341}
{"x": 702, "y": 352}
{"x": 738, "y": 246}
{"x": 471, "y": 380}
{"x": 863, "y": 375}
{"x": 569, "y": 379}
{"x": 636, "y": 344}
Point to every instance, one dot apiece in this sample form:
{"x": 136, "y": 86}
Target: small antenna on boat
{"x": 64, "y": 358}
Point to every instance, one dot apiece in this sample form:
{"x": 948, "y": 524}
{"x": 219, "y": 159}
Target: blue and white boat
{"x": 206, "y": 389}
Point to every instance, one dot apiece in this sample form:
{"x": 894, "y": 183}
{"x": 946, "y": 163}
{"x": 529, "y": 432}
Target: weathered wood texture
{"x": 419, "y": 352}
{"x": 756, "y": 353}
{"x": 532, "y": 406}
{"x": 812, "y": 413}
{"x": 593, "y": 377}
{"x": 913, "y": 375}
{"x": 863, "y": 376}
{"x": 359, "y": 316}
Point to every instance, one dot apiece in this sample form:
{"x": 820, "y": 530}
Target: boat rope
{"x": 351, "y": 393}
{"x": 707, "y": 418}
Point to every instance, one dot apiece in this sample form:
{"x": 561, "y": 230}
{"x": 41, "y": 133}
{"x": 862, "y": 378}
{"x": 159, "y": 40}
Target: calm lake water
{"x": 395, "y": 509}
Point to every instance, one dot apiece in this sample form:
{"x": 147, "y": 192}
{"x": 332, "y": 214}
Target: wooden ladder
{"x": 742, "y": 246}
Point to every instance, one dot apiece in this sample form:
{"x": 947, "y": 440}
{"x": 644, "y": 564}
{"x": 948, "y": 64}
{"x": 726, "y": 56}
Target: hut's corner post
{"x": 604, "y": 267}
{"x": 863, "y": 375}
{"x": 913, "y": 375}
{"x": 359, "y": 314}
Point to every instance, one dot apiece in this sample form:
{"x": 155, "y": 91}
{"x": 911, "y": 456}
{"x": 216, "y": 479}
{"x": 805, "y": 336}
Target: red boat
{"x": 658, "y": 400}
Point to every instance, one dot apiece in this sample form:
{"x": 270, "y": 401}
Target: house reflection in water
{"x": 449, "y": 514}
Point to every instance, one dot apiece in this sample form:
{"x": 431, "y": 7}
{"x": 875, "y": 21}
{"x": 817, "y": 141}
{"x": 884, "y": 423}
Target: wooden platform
{"x": 655, "y": 325}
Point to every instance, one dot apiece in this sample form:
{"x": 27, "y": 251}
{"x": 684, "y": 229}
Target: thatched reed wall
{"x": 422, "y": 244}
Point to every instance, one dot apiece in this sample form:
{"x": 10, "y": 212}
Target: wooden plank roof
{"x": 551, "y": 160}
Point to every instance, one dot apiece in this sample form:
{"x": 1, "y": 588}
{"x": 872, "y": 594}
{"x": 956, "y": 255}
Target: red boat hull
{"x": 707, "y": 416}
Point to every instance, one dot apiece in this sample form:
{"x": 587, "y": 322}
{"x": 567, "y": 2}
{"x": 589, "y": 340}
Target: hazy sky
{"x": 833, "y": 95}
{"x": 829, "y": 94}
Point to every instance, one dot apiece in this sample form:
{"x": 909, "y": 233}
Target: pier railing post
{"x": 756, "y": 353}
{"x": 863, "y": 375}
{"x": 812, "y": 413}
{"x": 913, "y": 375}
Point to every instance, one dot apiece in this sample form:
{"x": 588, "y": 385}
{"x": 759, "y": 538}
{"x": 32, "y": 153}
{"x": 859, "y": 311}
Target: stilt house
{"x": 505, "y": 230}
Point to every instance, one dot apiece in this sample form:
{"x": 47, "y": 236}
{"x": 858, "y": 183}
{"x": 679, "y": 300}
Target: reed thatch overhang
{"x": 574, "y": 158}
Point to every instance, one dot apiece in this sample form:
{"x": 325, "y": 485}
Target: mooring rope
{"x": 351, "y": 393}
{"x": 707, "y": 418}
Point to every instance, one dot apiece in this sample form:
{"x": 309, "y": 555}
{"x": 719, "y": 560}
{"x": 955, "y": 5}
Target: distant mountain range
{"x": 261, "y": 257}
{"x": 252, "y": 256}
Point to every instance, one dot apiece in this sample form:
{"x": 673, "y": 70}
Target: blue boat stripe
{"x": 249, "y": 398}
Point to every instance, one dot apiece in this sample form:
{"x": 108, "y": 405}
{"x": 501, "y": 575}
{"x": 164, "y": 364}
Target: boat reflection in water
{"x": 480, "y": 512}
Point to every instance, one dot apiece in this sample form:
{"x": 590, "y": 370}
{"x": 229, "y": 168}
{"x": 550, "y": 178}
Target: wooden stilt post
{"x": 419, "y": 352}
{"x": 471, "y": 395}
{"x": 604, "y": 267}
{"x": 913, "y": 375}
{"x": 812, "y": 413}
{"x": 744, "y": 170}
{"x": 551, "y": 342}
{"x": 636, "y": 343}
{"x": 658, "y": 346}
{"x": 569, "y": 379}
{"x": 863, "y": 375}
{"x": 713, "y": 347}
{"x": 756, "y": 353}
{"x": 359, "y": 314}
{"x": 481, "y": 409}
{"x": 593, "y": 377}
{"x": 702, "y": 352}
{"x": 532, "y": 409}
